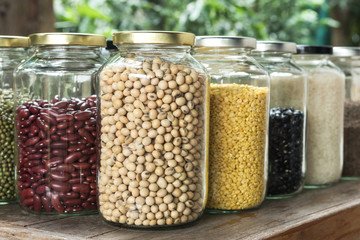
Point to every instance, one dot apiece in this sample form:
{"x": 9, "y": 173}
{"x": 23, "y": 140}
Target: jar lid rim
{"x": 344, "y": 51}
{"x": 313, "y": 49}
{"x": 154, "y": 37}
{"x": 275, "y": 46}
{"x": 14, "y": 41}
{"x": 225, "y": 42}
{"x": 59, "y": 38}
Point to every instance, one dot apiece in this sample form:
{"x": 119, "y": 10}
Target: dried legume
{"x": 7, "y": 163}
{"x": 57, "y": 155}
{"x": 152, "y": 143}
{"x": 238, "y": 121}
{"x": 285, "y": 151}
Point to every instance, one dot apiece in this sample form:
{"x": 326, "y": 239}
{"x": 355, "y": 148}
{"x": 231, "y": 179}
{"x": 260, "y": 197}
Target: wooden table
{"x": 332, "y": 213}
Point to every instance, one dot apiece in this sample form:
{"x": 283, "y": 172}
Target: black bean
{"x": 286, "y": 127}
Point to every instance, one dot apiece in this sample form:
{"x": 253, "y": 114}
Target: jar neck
{"x": 67, "y": 52}
{"x": 223, "y": 51}
{"x": 280, "y": 56}
{"x": 11, "y": 57}
{"x": 153, "y": 49}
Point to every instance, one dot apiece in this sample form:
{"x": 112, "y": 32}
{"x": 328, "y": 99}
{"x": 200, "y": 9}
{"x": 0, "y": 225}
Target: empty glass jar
{"x": 348, "y": 60}
{"x": 325, "y": 119}
{"x": 154, "y": 121}
{"x": 239, "y": 93}
{"x": 12, "y": 52}
{"x": 56, "y": 124}
{"x": 288, "y": 84}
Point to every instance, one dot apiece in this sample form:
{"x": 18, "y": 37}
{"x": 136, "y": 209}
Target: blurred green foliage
{"x": 286, "y": 20}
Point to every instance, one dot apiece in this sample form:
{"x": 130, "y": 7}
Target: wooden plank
{"x": 314, "y": 214}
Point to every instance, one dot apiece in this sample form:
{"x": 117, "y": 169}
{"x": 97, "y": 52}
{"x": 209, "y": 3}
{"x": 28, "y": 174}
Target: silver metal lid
{"x": 225, "y": 42}
{"x": 346, "y": 51}
{"x": 275, "y": 46}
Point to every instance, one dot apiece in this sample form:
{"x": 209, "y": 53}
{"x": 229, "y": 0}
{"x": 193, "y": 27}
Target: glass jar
{"x": 154, "y": 111}
{"x": 325, "y": 116}
{"x": 239, "y": 93}
{"x": 56, "y": 124}
{"x": 110, "y": 50}
{"x": 12, "y": 52}
{"x": 348, "y": 60}
{"x": 288, "y": 84}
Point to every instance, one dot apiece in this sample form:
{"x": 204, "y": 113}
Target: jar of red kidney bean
{"x": 56, "y": 124}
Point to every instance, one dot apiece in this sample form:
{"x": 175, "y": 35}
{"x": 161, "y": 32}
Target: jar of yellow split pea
{"x": 239, "y": 93}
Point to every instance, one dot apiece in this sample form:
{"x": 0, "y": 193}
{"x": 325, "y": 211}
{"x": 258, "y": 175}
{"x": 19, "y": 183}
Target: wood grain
{"x": 332, "y": 213}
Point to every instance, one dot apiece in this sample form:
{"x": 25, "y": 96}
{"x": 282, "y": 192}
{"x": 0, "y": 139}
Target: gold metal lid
{"x": 14, "y": 41}
{"x": 67, "y": 39}
{"x": 154, "y": 37}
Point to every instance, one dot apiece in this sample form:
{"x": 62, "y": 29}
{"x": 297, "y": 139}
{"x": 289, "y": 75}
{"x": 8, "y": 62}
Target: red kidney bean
{"x": 90, "y": 128}
{"x": 64, "y": 117}
{"x": 93, "y": 192}
{"x": 46, "y": 117}
{"x": 42, "y": 134}
{"x": 93, "y": 171}
{"x": 64, "y": 125}
{"x": 28, "y": 201}
{"x": 75, "y": 174}
{"x": 69, "y": 195}
{"x": 24, "y": 131}
{"x": 42, "y": 125}
{"x": 55, "y": 137}
{"x": 61, "y": 104}
{"x": 86, "y": 135}
{"x": 91, "y": 121}
{"x": 70, "y": 137}
{"x": 66, "y": 168}
{"x": 34, "y": 109}
{"x": 82, "y": 115}
{"x": 75, "y": 180}
{"x": 25, "y": 123}
{"x": 59, "y": 152}
{"x": 92, "y": 185}
{"x": 35, "y": 156}
{"x": 30, "y": 150}
{"x": 23, "y": 113}
{"x": 42, "y": 143}
{"x": 92, "y": 159}
{"x": 84, "y": 196}
{"x": 41, "y": 169}
{"x": 60, "y": 186}
{"x": 58, "y": 145}
{"x": 62, "y": 177}
{"x": 37, "y": 203}
{"x": 78, "y": 124}
{"x": 33, "y": 128}
{"x": 42, "y": 189}
{"x": 82, "y": 165}
{"x": 32, "y": 141}
{"x": 23, "y": 138}
{"x": 52, "y": 130}
{"x": 70, "y": 130}
{"x": 53, "y": 113}
{"x": 44, "y": 150}
{"x": 88, "y": 151}
{"x": 72, "y": 202}
{"x": 27, "y": 193}
{"x": 61, "y": 132}
{"x": 55, "y": 201}
{"x": 73, "y": 157}
{"x": 89, "y": 206}
{"x": 46, "y": 203}
{"x": 77, "y": 147}
{"x": 54, "y": 161}
{"x": 82, "y": 188}
{"x": 32, "y": 163}
{"x": 34, "y": 185}
{"x": 92, "y": 199}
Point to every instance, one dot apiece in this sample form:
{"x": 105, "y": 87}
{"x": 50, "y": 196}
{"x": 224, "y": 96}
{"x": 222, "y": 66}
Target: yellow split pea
{"x": 238, "y": 120}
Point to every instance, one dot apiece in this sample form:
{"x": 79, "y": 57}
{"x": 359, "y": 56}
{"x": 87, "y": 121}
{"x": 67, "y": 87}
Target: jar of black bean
{"x": 288, "y": 95}
{"x": 12, "y": 52}
{"x": 56, "y": 130}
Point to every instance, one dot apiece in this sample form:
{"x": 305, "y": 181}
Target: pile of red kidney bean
{"x": 57, "y": 155}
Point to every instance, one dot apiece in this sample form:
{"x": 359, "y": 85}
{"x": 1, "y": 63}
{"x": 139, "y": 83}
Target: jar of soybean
{"x": 12, "y": 52}
{"x": 288, "y": 83}
{"x": 239, "y": 93}
{"x": 154, "y": 131}
{"x": 325, "y": 119}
